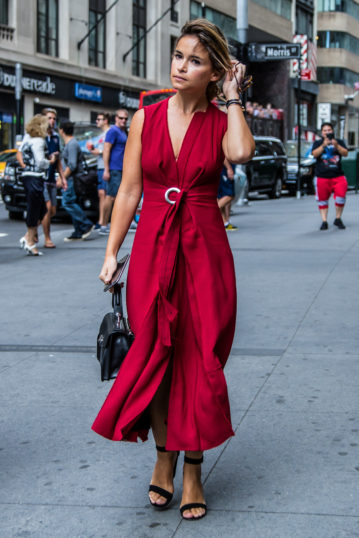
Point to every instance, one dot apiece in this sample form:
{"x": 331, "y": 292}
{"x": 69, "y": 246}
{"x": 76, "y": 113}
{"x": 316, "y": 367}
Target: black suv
{"x": 267, "y": 171}
{"x": 13, "y": 195}
{"x": 13, "y": 192}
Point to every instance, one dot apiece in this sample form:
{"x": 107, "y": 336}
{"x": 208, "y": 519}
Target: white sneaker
{"x": 104, "y": 230}
{"x": 88, "y": 232}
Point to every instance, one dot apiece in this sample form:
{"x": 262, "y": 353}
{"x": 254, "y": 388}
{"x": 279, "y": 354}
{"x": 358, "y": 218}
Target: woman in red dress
{"x": 181, "y": 289}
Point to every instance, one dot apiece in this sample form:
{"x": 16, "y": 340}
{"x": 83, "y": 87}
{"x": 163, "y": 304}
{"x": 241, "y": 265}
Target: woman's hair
{"x": 213, "y": 40}
{"x": 37, "y": 126}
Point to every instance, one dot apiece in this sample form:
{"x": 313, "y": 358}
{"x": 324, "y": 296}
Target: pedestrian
{"x": 226, "y": 195}
{"x": 113, "y": 152}
{"x": 330, "y": 177}
{"x": 181, "y": 288}
{"x": 103, "y": 123}
{"x": 50, "y": 187}
{"x": 71, "y": 164}
{"x": 32, "y": 159}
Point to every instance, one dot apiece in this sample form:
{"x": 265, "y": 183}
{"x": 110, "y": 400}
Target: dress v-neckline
{"x": 176, "y": 159}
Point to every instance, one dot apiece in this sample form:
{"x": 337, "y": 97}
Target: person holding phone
{"x": 330, "y": 178}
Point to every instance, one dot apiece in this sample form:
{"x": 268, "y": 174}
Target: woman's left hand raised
{"x": 233, "y": 80}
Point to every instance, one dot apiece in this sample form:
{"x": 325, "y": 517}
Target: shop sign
{"x": 88, "y": 93}
{"x": 324, "y": 112}
{"x": 8, "y": 80}
{"x": 127, "y": 100}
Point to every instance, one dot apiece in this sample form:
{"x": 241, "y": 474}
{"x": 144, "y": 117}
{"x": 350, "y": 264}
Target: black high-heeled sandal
{"x": 189, "y": 506}
{"x": 157, "y": 489}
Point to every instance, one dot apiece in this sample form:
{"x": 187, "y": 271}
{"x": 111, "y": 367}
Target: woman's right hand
{"x": 108, "y": 269}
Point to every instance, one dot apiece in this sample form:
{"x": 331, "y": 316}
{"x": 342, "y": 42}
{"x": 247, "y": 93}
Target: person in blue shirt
{"x": 50, "y": 188}
{"x": 113, "y": 152}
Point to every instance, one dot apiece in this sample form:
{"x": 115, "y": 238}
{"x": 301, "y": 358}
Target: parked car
{"x": 267, "y": 171}
{"x": 13, "y": 193}
{"x": 6, "y": 156}
{"x": 307, "y": 162}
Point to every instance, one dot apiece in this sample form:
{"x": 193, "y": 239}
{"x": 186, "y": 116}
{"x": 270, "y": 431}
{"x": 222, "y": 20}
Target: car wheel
{"x": 16, "y": 215}
{"x": 276, "y": 189}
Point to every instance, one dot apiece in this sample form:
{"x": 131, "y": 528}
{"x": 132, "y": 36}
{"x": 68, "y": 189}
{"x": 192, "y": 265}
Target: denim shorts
{"x": 50, "y": 191}
{"x": 114, "y": 182}
{"x": 101, "y": 183}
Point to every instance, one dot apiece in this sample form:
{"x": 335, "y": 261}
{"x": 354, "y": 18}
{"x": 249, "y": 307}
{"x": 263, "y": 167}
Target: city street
{"x": 292, "y": 469}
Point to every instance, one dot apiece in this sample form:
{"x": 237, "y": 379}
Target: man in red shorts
{"x": 330, "y": 178}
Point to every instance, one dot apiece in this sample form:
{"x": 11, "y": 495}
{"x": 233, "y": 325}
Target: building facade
{"x": 81, "y": 72}
{"x": 338, "y": 65}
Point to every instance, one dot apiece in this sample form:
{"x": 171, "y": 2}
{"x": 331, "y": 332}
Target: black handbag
{"x": 85, "y": 180}
{"x": 114, "y": 338}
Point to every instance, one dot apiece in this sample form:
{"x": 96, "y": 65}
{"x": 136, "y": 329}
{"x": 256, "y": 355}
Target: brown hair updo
{"x": 213, "y": 40}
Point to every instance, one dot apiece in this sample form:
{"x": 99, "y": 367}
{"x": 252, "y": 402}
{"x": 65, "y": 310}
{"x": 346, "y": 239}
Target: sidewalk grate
{"x": 259, "y": 352}
{"x": 48, "y": 348}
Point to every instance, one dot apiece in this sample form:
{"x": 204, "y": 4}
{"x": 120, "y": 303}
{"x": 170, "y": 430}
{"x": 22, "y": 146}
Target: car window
{"x": 5, "y": 157}
{"x": 263, "y": 148}
{"x": 278, "y": 148}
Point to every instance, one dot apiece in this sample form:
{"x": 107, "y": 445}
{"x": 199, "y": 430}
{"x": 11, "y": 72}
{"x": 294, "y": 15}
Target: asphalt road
{"x": 292, "y": 470}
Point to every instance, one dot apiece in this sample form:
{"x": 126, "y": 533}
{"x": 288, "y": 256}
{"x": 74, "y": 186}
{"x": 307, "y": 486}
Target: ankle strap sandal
{"x": 189, "y": 506}
{"x": 157, "y": 489}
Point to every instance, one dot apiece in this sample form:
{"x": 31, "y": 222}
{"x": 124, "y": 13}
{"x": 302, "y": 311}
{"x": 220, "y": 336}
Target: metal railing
{"x": 265, "y": 126}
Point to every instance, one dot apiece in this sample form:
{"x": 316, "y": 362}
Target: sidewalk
{"x": 292, "y": 469}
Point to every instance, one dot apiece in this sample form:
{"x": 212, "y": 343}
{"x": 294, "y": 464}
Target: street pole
{"x": 203, "y": 10}
{"x": 242, "y": 21}
{"x": 298, "y": 124}
{"x": 18, "y": 95}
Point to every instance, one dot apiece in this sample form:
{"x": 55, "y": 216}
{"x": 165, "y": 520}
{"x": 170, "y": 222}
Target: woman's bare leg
{"x": 192, "y": 486}
{"x": 31, "y": 238}
{"x": 163, "y": 472}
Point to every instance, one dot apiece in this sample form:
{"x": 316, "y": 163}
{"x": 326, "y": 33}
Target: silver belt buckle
{"x": 167, "y": 193}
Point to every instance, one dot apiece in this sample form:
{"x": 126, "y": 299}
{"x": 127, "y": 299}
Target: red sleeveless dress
{"x": 181, "y": 291}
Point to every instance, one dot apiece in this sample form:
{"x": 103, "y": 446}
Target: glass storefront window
{"x": 7, "y": 130}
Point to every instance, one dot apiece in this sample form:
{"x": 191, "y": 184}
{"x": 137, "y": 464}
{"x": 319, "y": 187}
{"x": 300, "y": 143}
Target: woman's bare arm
{"x": 128, "y": 196}
{"x": 238, "y": 143}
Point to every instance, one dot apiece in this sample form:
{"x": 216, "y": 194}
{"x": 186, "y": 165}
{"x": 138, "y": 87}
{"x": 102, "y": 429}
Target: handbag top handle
{"x": 117, "y": 299}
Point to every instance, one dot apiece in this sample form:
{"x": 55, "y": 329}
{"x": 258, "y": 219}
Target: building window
{"x": 226, "y": 23}
{"x": 345, "y": 6}
{"x": 97, "y": 38}
{"x": 304, "y": 20}
{"x": 47, "y": 27}
{"x": 337, "y": 75}
{"x": 280, "y": 7}
{"x": 174, "y": 13}
{"x": 338, "y": 40}
{"x": 4, "y": 12}
{"x": 139, "y": 30}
